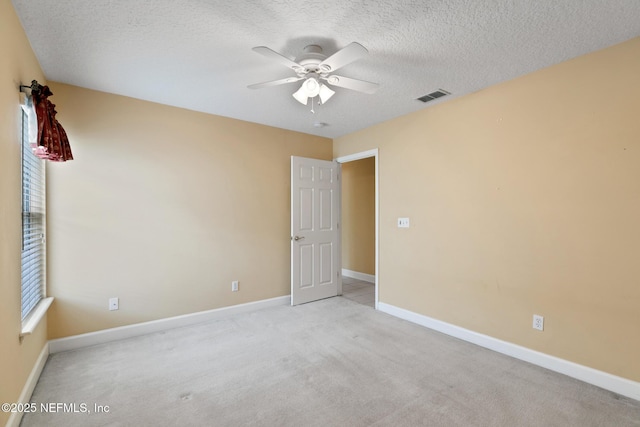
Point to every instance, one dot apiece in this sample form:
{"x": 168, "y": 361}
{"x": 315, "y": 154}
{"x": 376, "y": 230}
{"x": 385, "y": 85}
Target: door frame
{"x": 350, "y": 158}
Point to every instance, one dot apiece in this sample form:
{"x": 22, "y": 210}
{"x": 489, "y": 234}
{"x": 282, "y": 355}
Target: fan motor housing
{"x": 311, "y": 58}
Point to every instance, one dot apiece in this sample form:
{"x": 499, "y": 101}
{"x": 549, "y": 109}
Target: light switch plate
{"x": 403, "y": 222}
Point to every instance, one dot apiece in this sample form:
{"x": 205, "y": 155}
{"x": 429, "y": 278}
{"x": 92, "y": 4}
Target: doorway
{"x": 359, "y": 227}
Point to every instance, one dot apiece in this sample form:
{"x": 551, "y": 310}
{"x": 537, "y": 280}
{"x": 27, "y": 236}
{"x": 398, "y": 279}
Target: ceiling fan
{"x": 314, "y": 67}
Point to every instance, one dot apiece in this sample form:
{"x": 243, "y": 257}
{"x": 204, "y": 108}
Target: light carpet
{"x": 328, "y": 363}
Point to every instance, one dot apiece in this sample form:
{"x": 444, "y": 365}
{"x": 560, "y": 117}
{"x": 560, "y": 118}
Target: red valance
{"x": 52, "y": 143}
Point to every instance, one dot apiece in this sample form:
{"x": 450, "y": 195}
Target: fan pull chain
{"x": 312, "y": 112}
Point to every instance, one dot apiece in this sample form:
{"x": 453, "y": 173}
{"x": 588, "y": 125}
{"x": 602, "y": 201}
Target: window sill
{"x": 30, "y": 323}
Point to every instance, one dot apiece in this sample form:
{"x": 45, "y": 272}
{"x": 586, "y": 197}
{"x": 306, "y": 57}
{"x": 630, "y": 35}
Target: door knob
{"x": 298, "y": 238}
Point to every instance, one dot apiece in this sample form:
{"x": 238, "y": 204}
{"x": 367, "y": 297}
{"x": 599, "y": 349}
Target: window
{"x": 33, "y": 223}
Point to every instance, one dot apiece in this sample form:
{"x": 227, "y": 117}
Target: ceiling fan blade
{"x": 269, "y": 53}
{"x": 344, "y": 56}
{"x": 353, "y": 84}
{"x": 275, "y": 82}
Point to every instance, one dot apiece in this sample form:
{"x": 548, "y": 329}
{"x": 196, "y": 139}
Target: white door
{"x": 315, "y": 239}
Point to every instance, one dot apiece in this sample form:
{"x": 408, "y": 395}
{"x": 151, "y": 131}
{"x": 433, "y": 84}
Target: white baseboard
{"x": 122, "y": 332}
{"x": 601, "y": 379}
{"x": 30, "y": 385}
{"x": 360, "y": 276}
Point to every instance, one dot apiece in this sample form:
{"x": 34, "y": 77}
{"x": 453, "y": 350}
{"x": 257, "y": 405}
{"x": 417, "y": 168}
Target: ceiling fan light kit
{"x": 313, "y": 67}
{"x": 311, "y": 88}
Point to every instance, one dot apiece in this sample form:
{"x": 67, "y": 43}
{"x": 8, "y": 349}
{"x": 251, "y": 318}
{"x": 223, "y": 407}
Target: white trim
{"x": 598, "y": 378}
{"x": 339, "y": 245}
{"x": 30, "y": 323}
{"x": 364, "y": 155}
{"x": 122, "y": 332}
{"x": 371, "y": 278}
{"x": 30, "y": 385}
{"x": 358, "y": 156}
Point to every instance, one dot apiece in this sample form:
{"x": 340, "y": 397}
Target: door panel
{"x": 306, "y": 265}
{"x": 326, "y": 209}
{"x": 315, "y": 236}
{"x": 326, "y": 263}
{"x": 306, "y": 209}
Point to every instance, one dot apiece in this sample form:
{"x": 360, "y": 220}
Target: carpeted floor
{"x": 328, "y": 363}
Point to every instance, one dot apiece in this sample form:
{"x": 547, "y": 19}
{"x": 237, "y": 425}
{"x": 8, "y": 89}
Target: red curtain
{"x": 52, "y": 143}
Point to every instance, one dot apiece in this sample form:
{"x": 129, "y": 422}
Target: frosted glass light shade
{"x": 325, "y": 93}
{"x": 301, "y": 95}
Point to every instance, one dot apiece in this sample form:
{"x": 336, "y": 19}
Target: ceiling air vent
{"x": 434, "y": 95}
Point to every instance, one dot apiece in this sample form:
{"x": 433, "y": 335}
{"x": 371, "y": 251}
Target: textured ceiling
{"x": 196, "y": 54}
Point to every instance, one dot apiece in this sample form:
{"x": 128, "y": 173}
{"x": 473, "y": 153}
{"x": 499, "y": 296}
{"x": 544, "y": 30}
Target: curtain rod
{"x": 35, "y": 86}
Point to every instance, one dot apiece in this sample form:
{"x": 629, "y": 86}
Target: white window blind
{"x": 33, "y": 224}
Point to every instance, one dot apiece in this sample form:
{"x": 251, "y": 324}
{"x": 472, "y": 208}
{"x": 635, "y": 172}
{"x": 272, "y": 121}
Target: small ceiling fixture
{"x": 313, "y": 67}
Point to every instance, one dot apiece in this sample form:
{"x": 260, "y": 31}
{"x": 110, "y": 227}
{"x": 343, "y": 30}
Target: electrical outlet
{"x": 234, "y": 286}
{"x": 113, "y": 304}
{"x": 538, "y": 322}
{"x": 403, "y": 222}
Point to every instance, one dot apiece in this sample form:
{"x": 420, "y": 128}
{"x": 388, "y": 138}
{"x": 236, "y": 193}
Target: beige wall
{"x": 523, "y": 198}
{"x": 18, "y": 65}
{"x": 358, "y": 216}
{"x": 164, "y": 207}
